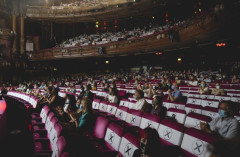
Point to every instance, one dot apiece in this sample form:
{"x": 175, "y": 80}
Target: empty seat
{"x": 177, "y": 105}
{"x": 192, "y": 100}
{"x": 210, "y": 111}
{"x": 210, "y": 102}
{"x": 171, "y": 132}
{"x": 149, "y": 120}
{"x": 96, "y": 103}
{"x": 112, "y": 108}
{"x": 99, "y": 130}
{"x": 121, "y": 113}
{"x": 110, "y": 145}
{"x": 103, "y": 106}
{"x": 124, "y": 102}
{"x": 207, "y": 96}
{"x": 179, "y": 115}
{"x": 134, "y": 117}
{"x": 195, "y": 141}
{"x": 128, "y": 145}
{"x": 193, "y": 108}
{"x": 193, "y": 120}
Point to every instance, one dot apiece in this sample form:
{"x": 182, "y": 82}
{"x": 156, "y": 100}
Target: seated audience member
{"x": 224, "y": 148}
{"x": 106, "y": 87}
{"x": 149, "y": 144}
{"x": 157, "y": 108}
{"x": 36, "y": 92}
{"x": 174, "y": 94}
{"x": 112, "y": 97}
{"x": 4, "y": 89}
{"x": 168, "y": 84}
{"x": 192, "y": 82}
{"x": 88, "y": 94}
{"x": 235, "y": 79}
{"x": 207, "y": 79}
{"x": 203, "y": 88}
{"x": 226, "y": 125}
{"x": 82, "y": 91}
{"x": 84, "y": 123}
{"x": 218, "y": 90}
{"x": 94, "y": 87}
{"x": 157, "y": 90}
{"x": 141, "y": 103}
{"x": 177, "y": 80}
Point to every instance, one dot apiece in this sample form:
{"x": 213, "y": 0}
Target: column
{"x": 22, "y": 45}
{"x": 14, "y": 48}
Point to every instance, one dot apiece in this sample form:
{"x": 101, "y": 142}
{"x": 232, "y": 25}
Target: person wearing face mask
{"x": 203, "y": 88}
{"x": 226, "y": 125}
{"x": 141, "y": 103}
{"x": 174, "y": 93}
{"x": 88, "y": 94}
{"x": 149, "y": 144}
{"x": 218, "y": 90}
{"x": 157, "y": 108}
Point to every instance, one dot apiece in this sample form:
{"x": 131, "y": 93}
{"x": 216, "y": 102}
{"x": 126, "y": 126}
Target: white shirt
{"x": 139, "y": 104}
{"x": 193, "y": 83}
{"x": 112, "y": 99}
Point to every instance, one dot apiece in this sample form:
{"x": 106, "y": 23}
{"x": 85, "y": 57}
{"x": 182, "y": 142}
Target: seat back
{"x": 113, "y": 136}
{"x": 100, "y": 127}
{"x": 134, "y": 117}
{"x": 103, "y": 106}
{"x": 193, "y": 108}
{"x": 112, "y": 108}
{"x": 210, "y": 103}
{"x": 96, "y": 103}
{"x": 222, "y": 97}
{"x": 55, "y": 133}
{"x": 59, "y": 147}
{"x": 195, "y": 141}
{"x": 149, "y": 120}
{"x": 192, "y": 100}
{"x": 44, "y": 112}
{"x": 177, "y": 105}
{"x": 49, "y": 118}
{"x": 124, "y": 102}
{"x": 131, "y": 103}
{"x": 121, "y": 112}
{"x": 171, "y": 132}
{"x": 210, "y": 111}
{"x": 193, "y": 120}
{"x": 50, "y": 127}
{"x": 179, "y": 115}
{"x": 128, "y": 145}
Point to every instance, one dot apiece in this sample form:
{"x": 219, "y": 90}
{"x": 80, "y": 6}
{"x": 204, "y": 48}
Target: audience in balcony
{"x": 217, "y": 90}
{"x": 174, "y": 93}
{"x": 226, "y": 125}
{"x": 203, "y": 88}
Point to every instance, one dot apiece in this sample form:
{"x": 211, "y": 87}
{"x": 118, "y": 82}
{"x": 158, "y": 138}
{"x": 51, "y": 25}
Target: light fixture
{"x": 107, "y": 62}
{"x": 179, "y": 59}
{"x": 153, "y": 17}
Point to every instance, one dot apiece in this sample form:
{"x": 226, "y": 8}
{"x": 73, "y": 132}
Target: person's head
{"x": 224, "y": 148}
{"x": 217, "y": 86}
{"x": 54, "y": 91}
{"x": 191, "y": 78}
{"x": 139, "y": 94}
{"x": 70, "y": 99}
{"x": 157, "y": 101}
{"x": 86, "y": 105}
{"x": 226, "y": 109}
{"x": 203, "y": 84}
{"x": 49, "y": 90}
{"x": 174, "y": 86}
{"x": 149, "y": 141}
{"x": 157, "y": 86}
